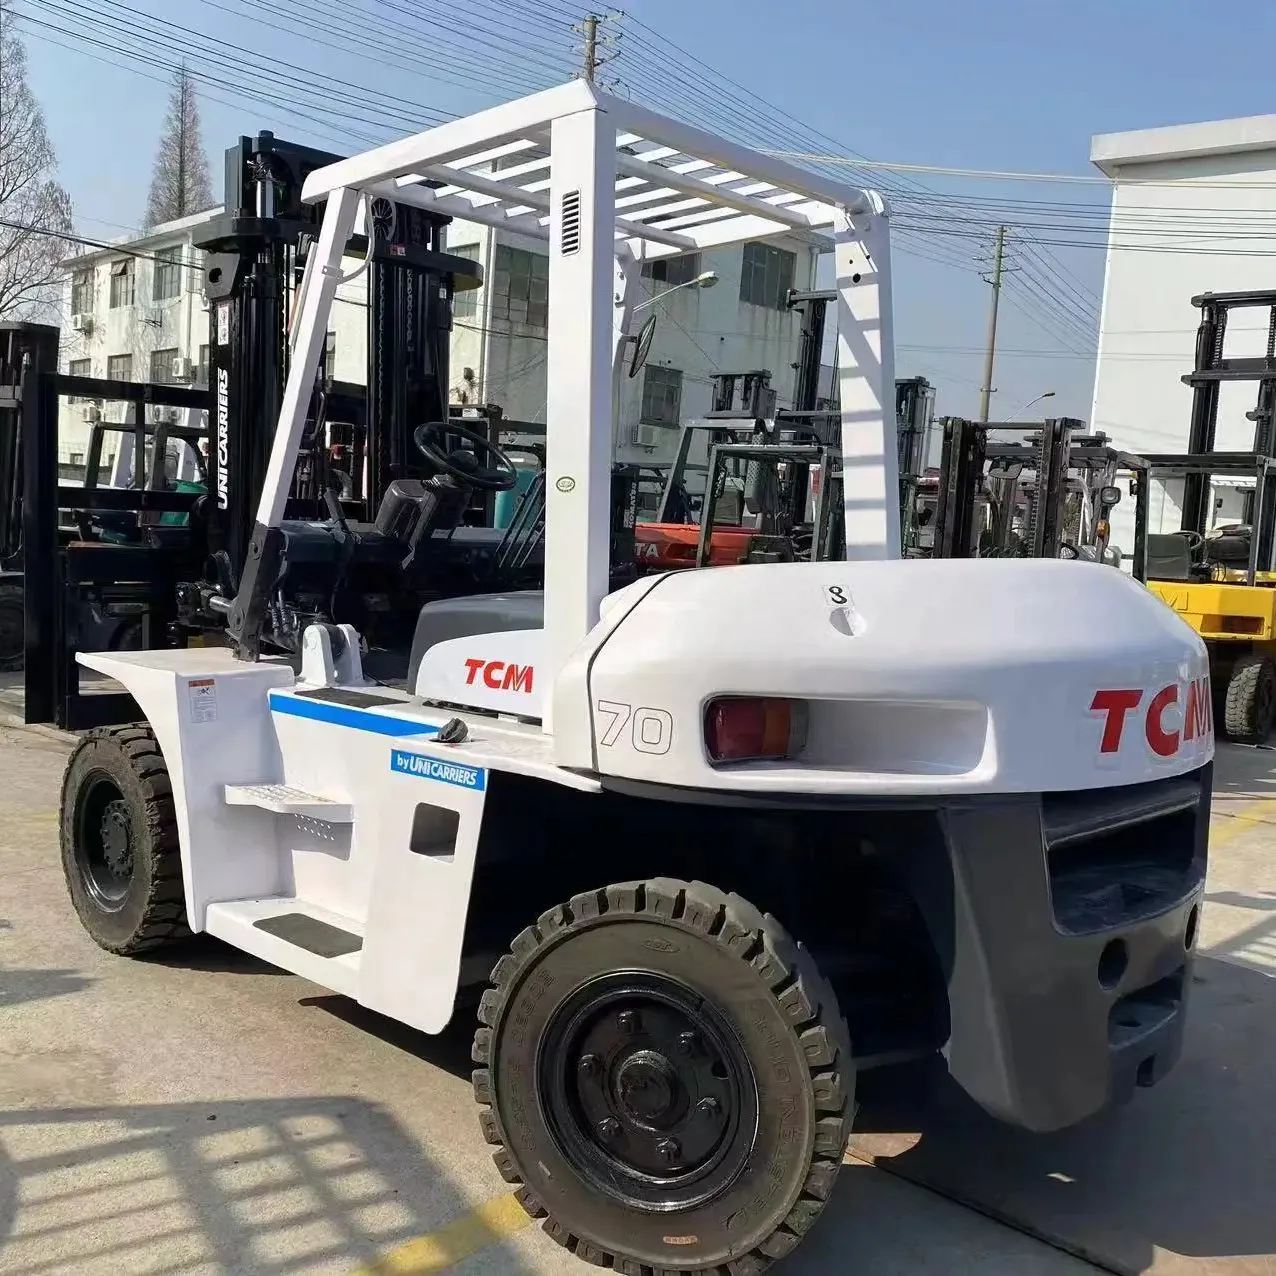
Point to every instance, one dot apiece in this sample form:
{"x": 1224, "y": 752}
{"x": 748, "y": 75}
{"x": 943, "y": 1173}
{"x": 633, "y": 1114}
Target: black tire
{"x": 120, "y": 850}
{"x": 1249, "y": 710}
{"x": 12, "y": 631}
{"x": 760, "y": 1002}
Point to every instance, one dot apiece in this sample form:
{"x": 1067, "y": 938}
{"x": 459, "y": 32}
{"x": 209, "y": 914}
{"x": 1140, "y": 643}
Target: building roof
{"x": 157, "y": 237}
{"x": 1113, "y": 152}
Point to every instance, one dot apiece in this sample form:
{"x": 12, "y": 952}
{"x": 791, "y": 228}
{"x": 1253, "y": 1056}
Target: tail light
{"x": 752, "y": 729}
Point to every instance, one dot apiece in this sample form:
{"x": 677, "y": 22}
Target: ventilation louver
{"x": 569, "y": 238}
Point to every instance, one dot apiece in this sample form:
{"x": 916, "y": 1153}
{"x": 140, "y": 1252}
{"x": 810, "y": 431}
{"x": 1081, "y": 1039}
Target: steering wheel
{"x": 464, "y": 463}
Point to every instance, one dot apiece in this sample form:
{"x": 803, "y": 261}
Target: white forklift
{"x": 717, "y": 841}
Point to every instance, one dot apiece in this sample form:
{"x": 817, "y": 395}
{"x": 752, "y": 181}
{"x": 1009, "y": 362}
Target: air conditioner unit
{"x": 92, "y": 414}
{"x": 183, "y": 368}
{"x": 650, "y": 436}
{"x": 82, "y": 323}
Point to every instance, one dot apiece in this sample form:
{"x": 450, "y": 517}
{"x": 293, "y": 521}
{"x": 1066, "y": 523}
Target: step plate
{"x": 311, "y": 934}
{"x": 284, "y": 800}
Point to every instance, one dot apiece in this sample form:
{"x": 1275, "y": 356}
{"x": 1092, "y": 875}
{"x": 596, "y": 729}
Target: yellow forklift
{"x": 1221, "y": 578}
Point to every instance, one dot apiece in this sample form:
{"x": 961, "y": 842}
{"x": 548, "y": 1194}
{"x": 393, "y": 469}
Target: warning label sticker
{"x": 203, "y": 699}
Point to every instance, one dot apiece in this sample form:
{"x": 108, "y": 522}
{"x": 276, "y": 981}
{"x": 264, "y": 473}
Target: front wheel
{"x": 120, "y": 850}
{"x": 668, "y": 1079}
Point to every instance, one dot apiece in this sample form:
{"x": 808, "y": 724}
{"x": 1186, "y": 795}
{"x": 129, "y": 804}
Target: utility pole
{"x": 985, "y": 391}
{"x": 591, "y": 47}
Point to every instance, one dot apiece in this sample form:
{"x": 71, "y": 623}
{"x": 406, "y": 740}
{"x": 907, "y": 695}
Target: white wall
{"x": 1168, "y": 243}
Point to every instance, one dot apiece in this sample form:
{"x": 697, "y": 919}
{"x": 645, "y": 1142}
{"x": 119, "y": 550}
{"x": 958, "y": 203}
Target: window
{"x": 119, "y": 367}
{"x": 673, "y": 270}
{"x": 661, "y": 395}
{"x": 465, "y": 304}
{"x": 162, "y": 366}
{"x": 79, "y": 368}
{"x": 201, "y": 374}
{"x": 329, "y": 355}
{"x": 82, "y": 293}
{"x": 767, "y": 275}
{"x": 167, "y": 275}
{"x": 520, "y": 286}
{"x": 122, "y": 273}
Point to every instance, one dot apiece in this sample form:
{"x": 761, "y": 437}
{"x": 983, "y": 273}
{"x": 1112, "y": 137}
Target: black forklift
{"x": 167, "y": 558}
{"x": 385, "y": 511}
{"x": 1032, "y": 489}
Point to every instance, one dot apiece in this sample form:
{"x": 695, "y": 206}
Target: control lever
{"x": 332, "y": 501}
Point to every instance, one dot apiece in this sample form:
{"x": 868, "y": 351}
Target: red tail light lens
{"x": 740, "y": 728}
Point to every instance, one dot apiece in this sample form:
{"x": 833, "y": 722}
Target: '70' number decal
{"x": 650, "y": 730}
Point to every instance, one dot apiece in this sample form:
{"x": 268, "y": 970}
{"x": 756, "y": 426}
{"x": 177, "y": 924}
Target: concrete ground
{"x": 206, "y": 1115}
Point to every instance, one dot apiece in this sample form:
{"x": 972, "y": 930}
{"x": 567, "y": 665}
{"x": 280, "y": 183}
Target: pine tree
{"x": 35, "y": 212}
{"x": 180, "y": 185}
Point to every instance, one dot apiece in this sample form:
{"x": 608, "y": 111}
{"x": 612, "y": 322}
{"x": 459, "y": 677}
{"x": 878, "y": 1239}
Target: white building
{"x": 1193, "y": 211}
{"x": 136, "y": 312}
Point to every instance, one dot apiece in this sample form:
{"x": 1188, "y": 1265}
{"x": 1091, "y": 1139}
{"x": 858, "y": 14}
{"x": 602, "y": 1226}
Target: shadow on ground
{"x": 1174, "y": 1183}
{"x": 265, "y": 1188}
{"x": 448, "y": 1050}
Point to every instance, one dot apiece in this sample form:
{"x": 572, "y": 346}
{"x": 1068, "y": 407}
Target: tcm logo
{"x": 499, "y": 676}
{"x": 223, "y": 438}
{"x": 1169, "y": 720}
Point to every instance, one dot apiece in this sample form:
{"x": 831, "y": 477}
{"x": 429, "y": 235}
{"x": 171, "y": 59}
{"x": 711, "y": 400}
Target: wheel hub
{"x": 104, "y": 842}
{"x": 117, "y": 842}
{"x": 648, "y": 1091}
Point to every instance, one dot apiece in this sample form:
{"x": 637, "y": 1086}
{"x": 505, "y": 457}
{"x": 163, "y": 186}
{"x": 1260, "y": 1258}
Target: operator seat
{"x": 476, "y": 614}
{"x": 1169, "y": 556}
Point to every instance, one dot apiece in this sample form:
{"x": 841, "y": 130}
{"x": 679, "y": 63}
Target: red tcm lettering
{"x": 1165, "y": 737}
{"x": 499, "y": 676}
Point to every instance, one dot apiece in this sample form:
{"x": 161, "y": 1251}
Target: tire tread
{"x": 1240, "y": 721}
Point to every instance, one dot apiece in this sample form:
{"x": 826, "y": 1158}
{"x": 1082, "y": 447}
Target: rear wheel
{"x": 1250, "y": 706}
{"x": 12, "y": 635}
{"x": 668, "y": 1080}
{"x": 120, "y": 850}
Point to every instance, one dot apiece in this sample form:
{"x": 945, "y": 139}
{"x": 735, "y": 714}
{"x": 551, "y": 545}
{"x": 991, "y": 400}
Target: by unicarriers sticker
{"x": 203, "y": 699}
{"x": 473, "y": 778}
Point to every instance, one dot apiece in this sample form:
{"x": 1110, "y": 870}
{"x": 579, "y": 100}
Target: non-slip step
{"x": 315, "y": 936}
{"x": 284, "y": 800}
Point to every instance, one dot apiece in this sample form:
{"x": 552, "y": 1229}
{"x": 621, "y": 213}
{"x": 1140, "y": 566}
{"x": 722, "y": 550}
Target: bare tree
{"x": 180, "y": 185}
{"x": 35, "y": 212}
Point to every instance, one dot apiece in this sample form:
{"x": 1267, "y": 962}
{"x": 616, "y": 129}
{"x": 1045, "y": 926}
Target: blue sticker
{"x": 465, "y": 777}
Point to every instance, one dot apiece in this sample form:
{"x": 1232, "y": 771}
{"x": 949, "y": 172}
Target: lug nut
{"x": 687, "y": 1042}
{"x": 589, "y": 1065}
{"x": 668, "y": 1149}
{"x": 609, "y": 1127}
{"x": 627, "y": 1021}
{"x": 708, "y": 1106}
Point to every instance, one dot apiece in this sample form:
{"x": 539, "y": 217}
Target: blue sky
{"x": 990, "y": 85}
